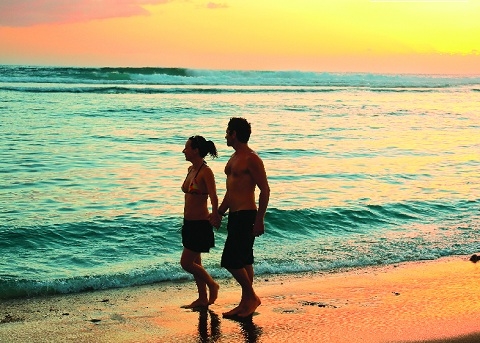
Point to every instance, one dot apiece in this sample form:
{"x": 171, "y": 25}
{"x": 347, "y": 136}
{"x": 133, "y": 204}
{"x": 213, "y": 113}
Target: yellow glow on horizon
{"x": 250, "y": 34}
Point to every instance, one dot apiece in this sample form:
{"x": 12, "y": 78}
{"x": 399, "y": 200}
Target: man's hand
{"x": 258, "y": 227}
{"x": 215, "y": 220}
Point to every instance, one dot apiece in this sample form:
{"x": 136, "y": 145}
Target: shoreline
{"x": 426, "y": 301}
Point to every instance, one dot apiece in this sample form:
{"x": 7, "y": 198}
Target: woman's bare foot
{"x": 213, "y": 293}
{"x": 196, "y": 303}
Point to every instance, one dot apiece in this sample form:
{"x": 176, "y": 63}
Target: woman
{"x": 197, "y": 231}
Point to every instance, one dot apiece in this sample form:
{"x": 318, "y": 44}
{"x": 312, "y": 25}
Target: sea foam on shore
{"x": 415, "y": 301}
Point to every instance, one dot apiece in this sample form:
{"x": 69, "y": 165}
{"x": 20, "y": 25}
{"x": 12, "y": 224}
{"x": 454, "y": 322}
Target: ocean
{"x": 364, "y": 170}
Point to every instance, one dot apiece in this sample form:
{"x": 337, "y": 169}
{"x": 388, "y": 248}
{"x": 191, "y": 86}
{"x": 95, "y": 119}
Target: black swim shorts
{"x": 238, "y": 251}
{"x": 197, "y": 235}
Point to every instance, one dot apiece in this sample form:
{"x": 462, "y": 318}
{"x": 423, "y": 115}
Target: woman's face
{"x": 188, "y": 151}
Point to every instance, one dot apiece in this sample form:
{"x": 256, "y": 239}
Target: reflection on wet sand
{"x": 249, "y": 330}
{"x": 204, "y": 334}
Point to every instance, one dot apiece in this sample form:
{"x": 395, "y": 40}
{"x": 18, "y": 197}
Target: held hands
{"x": 258, "y": 228}
{"x": 215, "y": 220}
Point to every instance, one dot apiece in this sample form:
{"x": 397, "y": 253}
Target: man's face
{"x": 229, "y": 137}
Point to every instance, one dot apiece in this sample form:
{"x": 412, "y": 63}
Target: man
{"x": 245, "y": 171}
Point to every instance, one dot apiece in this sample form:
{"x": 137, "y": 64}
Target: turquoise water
{"x": 364, "y": 170}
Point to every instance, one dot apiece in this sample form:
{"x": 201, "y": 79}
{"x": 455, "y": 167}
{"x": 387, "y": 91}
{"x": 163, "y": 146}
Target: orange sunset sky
{"x": 379, "y": 36}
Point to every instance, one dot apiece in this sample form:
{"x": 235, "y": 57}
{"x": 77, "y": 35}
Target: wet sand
{"x": 431, "y": 301}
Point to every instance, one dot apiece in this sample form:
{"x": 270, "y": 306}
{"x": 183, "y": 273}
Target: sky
{"x": 376, "y": 36}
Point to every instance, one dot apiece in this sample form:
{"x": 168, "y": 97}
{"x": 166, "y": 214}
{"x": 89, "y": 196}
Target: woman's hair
{"x": 204, "y": 147}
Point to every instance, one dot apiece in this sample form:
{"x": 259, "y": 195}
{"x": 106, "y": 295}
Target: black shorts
{"x": 238, "y": 251}
{"x": 197, "y": 235}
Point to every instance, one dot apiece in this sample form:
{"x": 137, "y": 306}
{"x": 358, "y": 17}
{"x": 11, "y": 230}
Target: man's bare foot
{"x": 213, "y": 293}
{"x": 233, "y": 312}
{"x": 248, "y": 307}
{"x": 196, "y": 303}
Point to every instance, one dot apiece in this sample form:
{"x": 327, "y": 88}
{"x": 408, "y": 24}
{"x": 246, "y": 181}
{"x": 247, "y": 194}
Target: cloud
{"x": 33, "y": 12}
{"x": 214, "y": 5}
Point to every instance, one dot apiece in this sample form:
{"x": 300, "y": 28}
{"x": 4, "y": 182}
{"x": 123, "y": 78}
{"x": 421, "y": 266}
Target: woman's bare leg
{"x": 191, "y": 262}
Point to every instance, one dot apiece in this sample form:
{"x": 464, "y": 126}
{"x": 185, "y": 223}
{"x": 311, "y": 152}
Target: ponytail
{"x": 204, "y": 147}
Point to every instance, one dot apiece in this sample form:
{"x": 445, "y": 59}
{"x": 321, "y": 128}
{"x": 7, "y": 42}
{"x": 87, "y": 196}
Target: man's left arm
{"x": 259, "y": 175}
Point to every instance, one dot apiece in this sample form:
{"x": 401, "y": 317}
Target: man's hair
{"x": 242, "y": 127}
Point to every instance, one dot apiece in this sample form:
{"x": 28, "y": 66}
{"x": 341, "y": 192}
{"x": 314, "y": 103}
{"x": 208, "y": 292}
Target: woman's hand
{"x": 215, "y": 220}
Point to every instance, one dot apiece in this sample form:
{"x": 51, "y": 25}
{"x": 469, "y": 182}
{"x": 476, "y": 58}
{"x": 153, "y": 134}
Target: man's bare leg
{"x": 250, "y": 301}
{"x": 249, "y": 305}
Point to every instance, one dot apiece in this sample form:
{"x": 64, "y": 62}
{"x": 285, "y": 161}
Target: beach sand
{"x": 430, "y": 301}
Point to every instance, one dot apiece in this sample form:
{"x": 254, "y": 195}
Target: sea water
{"x": 364, "y": 170}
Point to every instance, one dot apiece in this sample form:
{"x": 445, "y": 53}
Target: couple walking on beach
{"x": 244, "y": 171}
